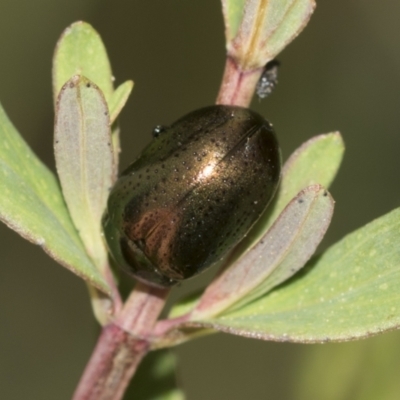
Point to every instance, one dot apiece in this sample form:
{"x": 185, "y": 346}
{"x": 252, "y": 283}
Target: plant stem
{"x": 121, "y": 346}
{"x": 238, "y": 86}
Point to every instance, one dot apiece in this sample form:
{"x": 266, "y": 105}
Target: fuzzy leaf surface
{"x": 265, "y": 29}
{"x": 233, "y": 13}
{"x": 349, "y": 292}
{"x": 80, "y": 51}
{"x": 283, "y": 250}
{"x": 31, "y": 203}
{"x": 84, "y": 159}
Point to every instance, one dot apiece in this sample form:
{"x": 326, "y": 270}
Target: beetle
{"x": 192, "y": 194}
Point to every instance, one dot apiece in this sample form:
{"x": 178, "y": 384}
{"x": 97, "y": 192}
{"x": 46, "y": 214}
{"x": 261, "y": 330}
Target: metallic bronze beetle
{"x": 192, "y": 194}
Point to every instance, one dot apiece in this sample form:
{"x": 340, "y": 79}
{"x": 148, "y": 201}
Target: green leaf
{"x": 31, "y": 203}
{"x": 350, "y": 292}
{"x": 233, "y": 13}
{"x": 284, "y": 249}
{"x": 265, "y": 29}
{"x": 155, "y": 378}
{"x": 80, "y": 51}
{"x": 119, "y": 99}
{"x": 85, "y": 159}
{"x": 314, "y": 162}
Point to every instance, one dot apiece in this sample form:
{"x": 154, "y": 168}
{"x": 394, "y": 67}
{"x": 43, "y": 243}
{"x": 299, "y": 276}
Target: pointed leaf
{"x": 315, "y": 162}
{"x": 283, "y": 250}
{"x": 84, "y": 159}
{"x": 350, "y": 292}
{"x": 119, "y": 99}
{"x": 31, "y": 203}
{"x": 266, "y": 28}
{"x": 80, "y": 51}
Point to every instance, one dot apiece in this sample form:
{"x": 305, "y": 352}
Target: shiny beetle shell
{"x": 192, "y": 194}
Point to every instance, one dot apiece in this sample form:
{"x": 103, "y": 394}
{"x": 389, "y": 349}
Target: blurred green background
{"x": 341, "y": 73}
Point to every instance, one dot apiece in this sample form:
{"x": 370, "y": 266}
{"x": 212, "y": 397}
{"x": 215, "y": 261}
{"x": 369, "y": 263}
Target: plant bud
{"x": 192, "y": 194}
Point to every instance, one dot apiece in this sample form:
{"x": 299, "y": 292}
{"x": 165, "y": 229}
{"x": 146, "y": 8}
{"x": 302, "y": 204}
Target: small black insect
{"x": 192, "y": 194}
{"x": 268, "y": 80}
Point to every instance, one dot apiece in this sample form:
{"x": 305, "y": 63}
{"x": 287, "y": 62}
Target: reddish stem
{"x": 121, "y": 346}
{"x": 237, "y": 86}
